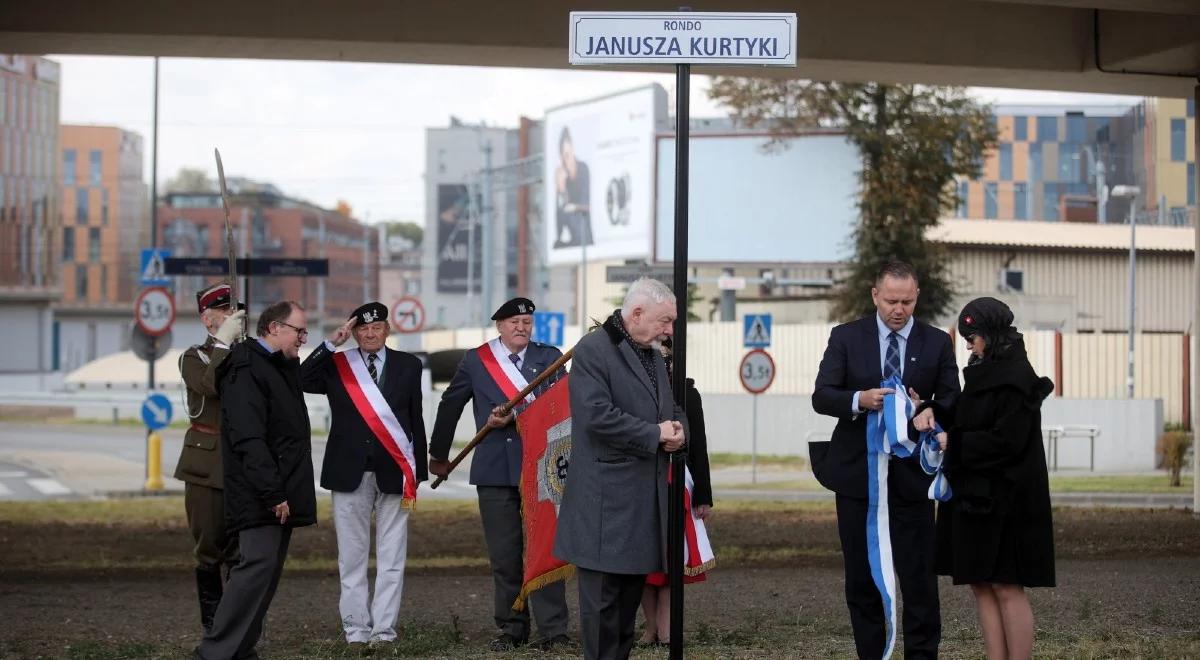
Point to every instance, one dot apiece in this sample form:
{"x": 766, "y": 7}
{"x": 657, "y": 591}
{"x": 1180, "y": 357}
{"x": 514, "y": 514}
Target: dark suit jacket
{"x": 496, "y": 460}
{"x": 351, "y": 441}
{"x": 852, "y": 363}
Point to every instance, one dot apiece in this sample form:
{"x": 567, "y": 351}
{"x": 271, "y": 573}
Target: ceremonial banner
{"x": 545, "y": 427}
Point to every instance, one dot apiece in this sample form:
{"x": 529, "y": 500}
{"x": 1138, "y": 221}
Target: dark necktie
{"x": 371, "y": 357}
{"x": 516, "y": 360}
{"x": 891, "y": 365}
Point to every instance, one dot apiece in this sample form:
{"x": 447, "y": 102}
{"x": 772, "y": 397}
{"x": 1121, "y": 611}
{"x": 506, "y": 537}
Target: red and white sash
{"x": 378, "y": 415}
{"x": 698, "y": 555}
{"x": 508, "y": 378}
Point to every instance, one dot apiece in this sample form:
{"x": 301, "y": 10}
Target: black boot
{"x": 209, "y": 587}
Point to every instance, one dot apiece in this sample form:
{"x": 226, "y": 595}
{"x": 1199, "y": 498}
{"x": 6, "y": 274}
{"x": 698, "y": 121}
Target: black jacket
{"x": 852, "y": 363}
{"x": 351, "y": 441}
{"x": 266, "y": 447}
{"x": 697, "y": 448}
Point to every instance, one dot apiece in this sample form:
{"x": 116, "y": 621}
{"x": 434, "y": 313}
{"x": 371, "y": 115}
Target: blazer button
{"x": 508, "y": 439}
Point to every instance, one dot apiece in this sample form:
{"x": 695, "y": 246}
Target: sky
{"x": 329, "y": 131}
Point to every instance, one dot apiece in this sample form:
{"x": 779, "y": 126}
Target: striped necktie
{"x": 371, "y": 357}
{"x": 516, "y": 360}
{"x": 892, "y": 363}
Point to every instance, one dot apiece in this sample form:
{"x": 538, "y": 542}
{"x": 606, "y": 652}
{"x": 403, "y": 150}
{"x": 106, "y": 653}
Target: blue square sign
{"x": 756, "y": 331}
{"x": 154, "y": 267}
{"x": 548, "y": 327}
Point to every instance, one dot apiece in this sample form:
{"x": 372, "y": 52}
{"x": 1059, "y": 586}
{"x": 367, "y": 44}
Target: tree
{"x": 409, "y": 230}
{"x": 914, "y": 141}
{"x": 343, "y": 208}
{"x": 190, "y": 180}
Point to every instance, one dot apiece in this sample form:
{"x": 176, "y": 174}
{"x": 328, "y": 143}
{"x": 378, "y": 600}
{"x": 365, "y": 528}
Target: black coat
{"x": 997, "y": 526}
{"x": 266, "y": 447}
{"x": 852, "y": 363}
{"x": 351, "y": 441}
{"x": 697, "y": 448}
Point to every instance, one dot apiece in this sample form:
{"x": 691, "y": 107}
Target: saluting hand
{"x": 342, "y": 333}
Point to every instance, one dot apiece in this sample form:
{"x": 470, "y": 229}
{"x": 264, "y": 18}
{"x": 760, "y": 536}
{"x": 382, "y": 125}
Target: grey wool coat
{"x": 613, "y": 517}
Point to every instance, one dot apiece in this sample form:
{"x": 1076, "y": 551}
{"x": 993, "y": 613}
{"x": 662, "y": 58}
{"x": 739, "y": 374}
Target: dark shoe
{"x": 209, "y": 587}
{"x": 505, "y": 642}
{"x": 555, "y": 642}
{"x": 360, "y": 648}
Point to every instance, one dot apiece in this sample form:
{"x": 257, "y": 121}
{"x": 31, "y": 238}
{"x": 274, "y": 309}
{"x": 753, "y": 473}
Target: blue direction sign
{"x": 154, "y": 267}
{"x": 756, "y": 331}
{"x": 548, "y": 327}
{"x": 156, "y": 411}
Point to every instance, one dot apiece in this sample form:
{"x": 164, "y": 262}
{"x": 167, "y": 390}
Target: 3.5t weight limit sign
{"x": 154, "y": 311}
{"x": 757, "y": 371}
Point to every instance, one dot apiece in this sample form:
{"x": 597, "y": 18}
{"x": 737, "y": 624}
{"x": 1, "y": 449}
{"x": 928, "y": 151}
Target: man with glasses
{"x": 373, "y": 461}
{"x": 266, "y": 453}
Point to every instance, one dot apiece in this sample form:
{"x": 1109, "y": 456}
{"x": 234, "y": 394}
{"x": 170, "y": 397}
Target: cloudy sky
{"x": 325, "y": 131}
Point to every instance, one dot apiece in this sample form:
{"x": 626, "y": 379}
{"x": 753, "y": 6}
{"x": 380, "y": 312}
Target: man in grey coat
{"x": 612, "y": 524}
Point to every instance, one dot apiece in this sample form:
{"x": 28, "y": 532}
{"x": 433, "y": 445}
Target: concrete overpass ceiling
{"x": 1040, "y": 44}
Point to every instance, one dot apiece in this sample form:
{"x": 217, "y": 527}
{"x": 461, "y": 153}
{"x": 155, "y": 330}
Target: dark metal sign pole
{"x": 675, "y": 510}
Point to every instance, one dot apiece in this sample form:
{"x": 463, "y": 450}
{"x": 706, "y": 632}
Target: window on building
{"x": 964, "y": 187}
{"x": 94, "y": 244}
{"x": 96, "y": 176}
{"x": 1178, "y": 140}
{"x": 68, "y": 167}
{"x": 104, "y": 206}
{"x": 103, "y": 281}
{"x": 1047, "y": 129}
{"x": 989, "y": 200}
{"x": 1191, "y": 108}
{"x": 1012, "y": 281}
{"x": 1076, "y": 127}
{"x": 81, "y": 283}
{"x": 1020, "y": 200}
{"x": 1191, "y": 184}
{"x": 1006, "y": 165}
{"x": 1035, "y": 163}
{"x": 1069, "y": 156}
{"x": 68, "y": 252}
{"x": 81, "y": 206}
{"x": 1050, "y": 202}
{"x": 1020, "y": 128}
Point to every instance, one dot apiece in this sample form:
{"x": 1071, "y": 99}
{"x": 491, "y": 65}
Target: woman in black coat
{"x": 995, "y": 532}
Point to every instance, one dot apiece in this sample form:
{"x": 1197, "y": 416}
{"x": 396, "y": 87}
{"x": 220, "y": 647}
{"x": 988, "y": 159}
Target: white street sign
{"x": 764, "y": 39}
{"x": 757, "y": 371}
{"x": 154, "y": 311}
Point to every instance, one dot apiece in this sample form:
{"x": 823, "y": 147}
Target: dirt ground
{"x": 1129, "y": 586}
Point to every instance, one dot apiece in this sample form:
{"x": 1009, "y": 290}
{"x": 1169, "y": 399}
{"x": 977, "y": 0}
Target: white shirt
{"x": 901, "y": 345}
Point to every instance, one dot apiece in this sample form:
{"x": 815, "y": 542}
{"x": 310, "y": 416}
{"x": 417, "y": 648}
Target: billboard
{"x": 793, "y": 204}
{"x": 599, "y": 173}
{"x": 455, "y": 241}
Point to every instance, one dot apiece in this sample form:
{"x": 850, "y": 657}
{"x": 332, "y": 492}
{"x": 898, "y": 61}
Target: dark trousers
{"x": 205, "y": 509}
{"x": 248, "y": 594}
{"x": 503, "y": 530}
{"x": 608, "y": 606}
{"x": 912, "y": 555}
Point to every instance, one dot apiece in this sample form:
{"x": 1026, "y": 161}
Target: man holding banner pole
{"x": 885, "y": 516}
{"x": 490, "y": 376}
{"x": 374, "y": 459}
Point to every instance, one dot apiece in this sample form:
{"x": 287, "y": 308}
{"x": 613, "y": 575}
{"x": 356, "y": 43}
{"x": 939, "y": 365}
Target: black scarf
{"x": 645, "y": 354}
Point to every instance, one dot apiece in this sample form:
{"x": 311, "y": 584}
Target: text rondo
{"x": 766, "y": 39}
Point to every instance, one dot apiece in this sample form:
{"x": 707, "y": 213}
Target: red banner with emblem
{"x": 545, "y": 427}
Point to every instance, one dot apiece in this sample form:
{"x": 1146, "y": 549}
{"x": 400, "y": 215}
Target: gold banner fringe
{"x": 559, "y": 574}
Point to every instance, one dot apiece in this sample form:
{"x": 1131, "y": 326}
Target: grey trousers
{"x": 248, "y": 594}
{"x": 608, "y": 606}
{"x": 500, "y": 509}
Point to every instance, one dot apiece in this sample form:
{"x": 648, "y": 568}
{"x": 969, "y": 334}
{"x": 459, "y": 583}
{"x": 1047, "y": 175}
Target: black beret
{"x": 514, "y": 307}
{"x": 986, "y": 316}
{"x": 370, "y": 313}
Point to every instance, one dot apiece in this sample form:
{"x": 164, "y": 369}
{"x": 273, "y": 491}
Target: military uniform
{"x": 199, "y": 467}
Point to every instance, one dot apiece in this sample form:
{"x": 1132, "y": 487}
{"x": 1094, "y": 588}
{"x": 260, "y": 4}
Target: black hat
{"x": 514, "y": 307}
{"x": 215, "y": 296}
{"x": 984, "y": 316}
{"x": 370, "y": 313}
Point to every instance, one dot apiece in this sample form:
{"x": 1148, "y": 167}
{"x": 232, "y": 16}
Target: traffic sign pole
{"x": 754, "y": 439}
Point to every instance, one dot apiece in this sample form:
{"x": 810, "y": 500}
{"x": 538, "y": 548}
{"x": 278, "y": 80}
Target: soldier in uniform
{"x": 491, "y": 375}
{"x": 199, "y": 464}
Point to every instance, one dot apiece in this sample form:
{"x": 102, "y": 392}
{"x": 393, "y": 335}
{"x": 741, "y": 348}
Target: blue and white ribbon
{"x": 887, "y": 436}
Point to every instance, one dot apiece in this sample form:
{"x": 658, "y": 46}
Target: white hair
{"x": 645, "y": 290}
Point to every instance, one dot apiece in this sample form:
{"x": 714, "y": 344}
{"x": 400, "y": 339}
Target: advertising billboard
{"x": 455, "y": 238}
{"x": 599, "y": 173}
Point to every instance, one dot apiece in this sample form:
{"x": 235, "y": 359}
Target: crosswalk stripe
{"x": 5, "y": 491}
{"x": 48, "y": 486}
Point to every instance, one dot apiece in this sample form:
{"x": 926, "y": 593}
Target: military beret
{"x": 514, "y": 307}
{"x": 370, "y": 313}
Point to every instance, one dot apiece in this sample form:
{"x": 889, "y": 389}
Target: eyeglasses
{"x": 303, "y": 332}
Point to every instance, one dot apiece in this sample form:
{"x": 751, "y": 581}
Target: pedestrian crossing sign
{"x": 756, "y": 331}
{"x": 154, "y": 267}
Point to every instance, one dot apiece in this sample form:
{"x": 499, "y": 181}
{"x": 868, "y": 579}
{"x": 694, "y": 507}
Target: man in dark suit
{"x": 624, "y": 422}
{"x": 374, "y": 459}
{"x": 860, "y": 355}
{"x": 490, "y": 376}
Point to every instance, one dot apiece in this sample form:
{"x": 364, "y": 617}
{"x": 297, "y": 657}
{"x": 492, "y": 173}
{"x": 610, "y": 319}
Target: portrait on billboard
{"x": 599, "y": 169}
{"x": 456, "y": 245}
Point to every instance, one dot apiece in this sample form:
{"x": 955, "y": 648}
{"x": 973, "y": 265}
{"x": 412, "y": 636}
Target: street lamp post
{"x": 1131, "y": 192}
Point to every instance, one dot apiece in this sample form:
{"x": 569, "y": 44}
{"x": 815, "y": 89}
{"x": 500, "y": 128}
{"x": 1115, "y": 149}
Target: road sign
{"x": 628, "y": 273}
{"x": 154, "y": 271}
{"x": 609, "y": 37}
{"x": 154, "y": 311}
{"x": 156, "y": 411}
{"x": 259, "y": 266}
{"x": 146, "y": 347}
{"x": 757, "y": 371}
{"x": 408, "y": 315}
{"x": 730, "y": 283}
{"x": 756, "y": 331}
{"x": 548, "y": 327}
